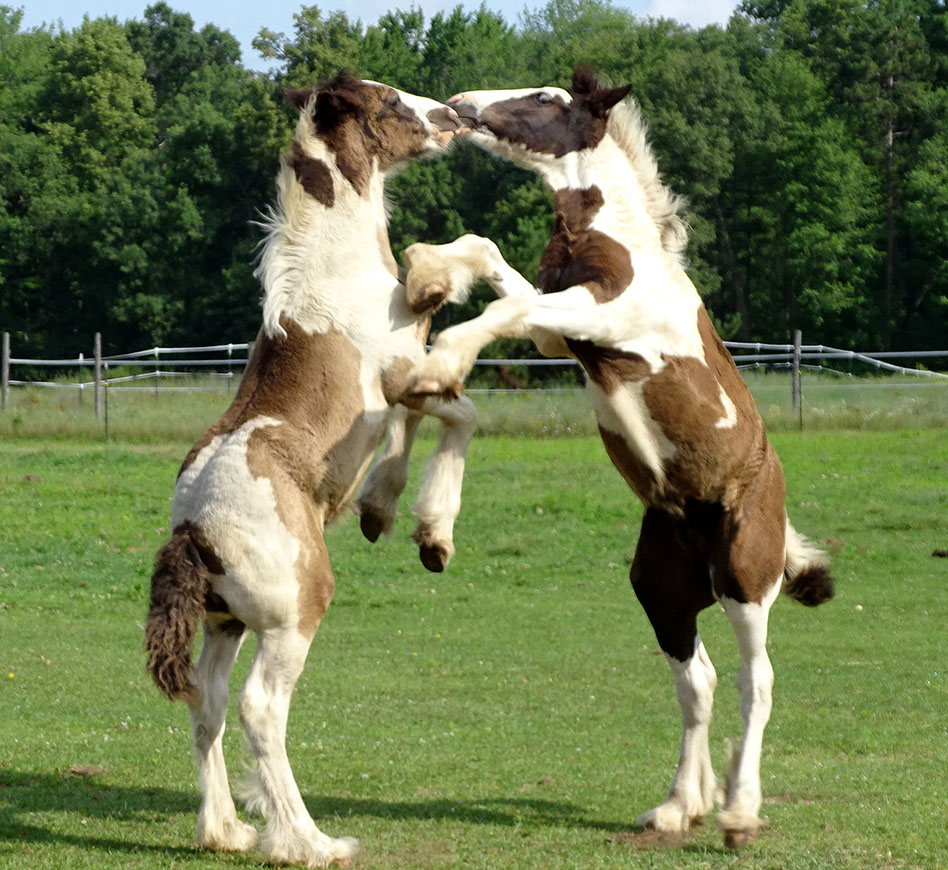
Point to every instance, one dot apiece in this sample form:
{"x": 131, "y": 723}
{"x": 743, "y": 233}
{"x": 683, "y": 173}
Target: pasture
{"x": 512, "y": 712}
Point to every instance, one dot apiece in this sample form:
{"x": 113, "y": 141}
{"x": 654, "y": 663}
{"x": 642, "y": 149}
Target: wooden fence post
{"x": 98, "y": 374}
{"x": 5, "y": 366}
{"x": 797, "y": 395}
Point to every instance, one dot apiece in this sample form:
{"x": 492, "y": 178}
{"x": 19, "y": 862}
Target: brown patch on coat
{"x": 711, "y": 463}
{"x": 317, "y": 584}
{"x": 636, "y": 473}
{"x": 315, "y": 458}
{"x": 577, "y": 254}
{"x": 608, "y": 367}
{"x": 723, "y": 493}
{"x": 313, "y": 174}
{"x": 311, "y": 383}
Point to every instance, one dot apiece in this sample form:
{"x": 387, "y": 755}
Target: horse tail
{"x": 806, "y": 571}
{"x": 179, "y": 588}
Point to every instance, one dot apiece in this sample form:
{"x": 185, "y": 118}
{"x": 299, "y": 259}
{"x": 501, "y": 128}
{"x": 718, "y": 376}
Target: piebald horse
{"x": 254, "y": 494}
{"x": 675, "y": 416}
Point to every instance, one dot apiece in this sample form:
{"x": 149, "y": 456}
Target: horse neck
{"x": 312, "y": 247}
{"x": 624, "y": 213}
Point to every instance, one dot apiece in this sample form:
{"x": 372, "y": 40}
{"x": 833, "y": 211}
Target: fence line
{"x": 751, "y": 355}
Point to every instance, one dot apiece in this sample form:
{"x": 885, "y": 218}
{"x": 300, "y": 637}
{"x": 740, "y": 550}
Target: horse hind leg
{"x": 290, "y": 835}
{"x": 218, "y": 828}
{"x": 672, "y": 584}
{"x": 739, "y": 816}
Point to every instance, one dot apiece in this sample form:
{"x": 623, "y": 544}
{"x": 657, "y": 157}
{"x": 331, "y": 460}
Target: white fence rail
{"x": 180, "y": 362}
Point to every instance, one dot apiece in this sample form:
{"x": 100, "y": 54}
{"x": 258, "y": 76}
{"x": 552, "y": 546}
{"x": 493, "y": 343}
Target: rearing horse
{"x": 675, "y": 416}
{"x": 247, "y": 552}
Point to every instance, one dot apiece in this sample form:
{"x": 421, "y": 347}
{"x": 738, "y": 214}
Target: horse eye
{"x": 543, "y": 98}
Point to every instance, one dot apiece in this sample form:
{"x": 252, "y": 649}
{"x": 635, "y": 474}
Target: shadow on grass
{"x": 23, "y": 794}
{"x": 501, "y": 811}
{"x": 88, "y": 801}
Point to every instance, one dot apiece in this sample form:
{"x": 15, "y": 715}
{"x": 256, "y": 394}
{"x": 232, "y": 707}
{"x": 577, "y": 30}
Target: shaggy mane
{"x": 630, "y": 133}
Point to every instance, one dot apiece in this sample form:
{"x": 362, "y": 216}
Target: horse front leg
{"x": 378, "y": 499}
{"x": 439, "y": 500}
{"x": 442, "y": 372}
{"x": 439, "y": 273}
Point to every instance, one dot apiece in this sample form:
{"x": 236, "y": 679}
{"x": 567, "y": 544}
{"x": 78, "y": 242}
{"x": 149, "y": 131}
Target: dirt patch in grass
{"x": 649, "y": 839}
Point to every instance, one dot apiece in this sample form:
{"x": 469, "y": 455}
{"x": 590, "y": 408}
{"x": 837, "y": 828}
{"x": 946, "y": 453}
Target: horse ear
{"x": 587, "y": 91}
{"x": 601, "y": 101}
{"x": 584, "y": 80}
{"x": 297, "y": 97}
{"x": 334, "y": 103}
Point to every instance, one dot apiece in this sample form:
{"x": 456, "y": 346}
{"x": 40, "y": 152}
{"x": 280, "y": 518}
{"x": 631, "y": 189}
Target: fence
{"x": 226, "y": 362}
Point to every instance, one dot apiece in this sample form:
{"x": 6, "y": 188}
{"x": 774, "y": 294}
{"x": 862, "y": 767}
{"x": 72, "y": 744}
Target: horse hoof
{"x": 372, "y": 526}
{"x": 433, "y": 557}
{"x": 425, "y": 387}
{"x": 430, "y": 298}
{"x": 739, "y": 839}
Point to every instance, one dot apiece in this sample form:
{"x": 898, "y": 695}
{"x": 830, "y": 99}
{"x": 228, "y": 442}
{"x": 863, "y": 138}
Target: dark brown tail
{"x": 806, "y": 571}
{"x": 179, "y": 588}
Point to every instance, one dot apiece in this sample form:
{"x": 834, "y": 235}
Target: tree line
{"x": 809, "y": 136}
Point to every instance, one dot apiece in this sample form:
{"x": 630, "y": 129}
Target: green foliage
{"x": 807, "y": 135}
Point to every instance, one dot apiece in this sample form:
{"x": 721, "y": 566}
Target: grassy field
{"x": 512, "y": 712}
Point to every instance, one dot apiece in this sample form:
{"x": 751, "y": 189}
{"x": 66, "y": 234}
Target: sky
{"x": 244, "y": 20}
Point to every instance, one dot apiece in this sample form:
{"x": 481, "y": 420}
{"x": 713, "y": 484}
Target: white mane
{"x": 630, "y": 133}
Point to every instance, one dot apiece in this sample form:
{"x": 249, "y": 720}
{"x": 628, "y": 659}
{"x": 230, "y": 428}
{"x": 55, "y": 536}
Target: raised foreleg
{"x": 378, "y": 499}
{"x": 454, "y": 352}
{"x": 447, "y": 272}
{"x": 439, "y": 501}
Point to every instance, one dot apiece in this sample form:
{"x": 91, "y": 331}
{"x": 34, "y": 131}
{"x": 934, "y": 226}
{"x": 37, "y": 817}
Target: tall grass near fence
{"x": 179, "y": 409}
{"x": 512, "y": 712}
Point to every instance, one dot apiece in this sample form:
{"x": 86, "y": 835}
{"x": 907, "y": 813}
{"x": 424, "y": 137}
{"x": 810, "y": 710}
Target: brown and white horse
{"x": 253, "y": 496}
{"x": 675, "y": 416}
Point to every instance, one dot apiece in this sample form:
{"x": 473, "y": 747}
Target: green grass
{"x": 147, "y": 417}
{"x": 512, "y": 712}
